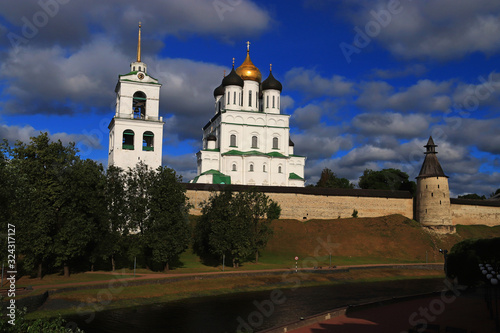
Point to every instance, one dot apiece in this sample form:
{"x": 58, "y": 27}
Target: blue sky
{"x": 365, "y": 82}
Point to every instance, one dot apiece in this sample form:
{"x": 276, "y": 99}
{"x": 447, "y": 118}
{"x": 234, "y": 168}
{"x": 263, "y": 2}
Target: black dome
{"x": 232, "y": 79}
{"x": 271, "y": 83}
{"x": 211, "y": 137}
{"x": 219, "y": 91}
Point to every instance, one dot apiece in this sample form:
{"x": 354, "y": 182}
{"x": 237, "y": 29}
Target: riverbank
{"x": 128, "y": 292}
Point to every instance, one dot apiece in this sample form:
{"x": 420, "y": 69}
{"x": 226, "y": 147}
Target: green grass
{"x": 58, "y": 279}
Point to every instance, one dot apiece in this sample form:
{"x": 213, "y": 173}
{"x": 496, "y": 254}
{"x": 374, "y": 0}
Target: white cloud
{"x": 393, "y": 124}
{"x": 314, "y": 85}
{"x": 442, "y": 29}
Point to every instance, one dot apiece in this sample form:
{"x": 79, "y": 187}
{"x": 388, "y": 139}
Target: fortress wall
{"x": 313, "y": 203}
{"x": 470, "y": 213}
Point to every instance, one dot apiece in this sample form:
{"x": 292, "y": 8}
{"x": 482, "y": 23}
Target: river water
{"x": 247, "y": 311}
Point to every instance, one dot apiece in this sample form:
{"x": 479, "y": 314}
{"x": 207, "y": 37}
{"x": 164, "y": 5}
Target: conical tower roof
{"x": 271, "y": 82}
{"x": 431, "y": 166}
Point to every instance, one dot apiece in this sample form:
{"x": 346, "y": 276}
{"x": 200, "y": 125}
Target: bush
{"x": 465, "y": 257}
{"x": 355, "y": 213}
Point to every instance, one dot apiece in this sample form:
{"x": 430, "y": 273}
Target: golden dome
{"x": 247, "y": 70}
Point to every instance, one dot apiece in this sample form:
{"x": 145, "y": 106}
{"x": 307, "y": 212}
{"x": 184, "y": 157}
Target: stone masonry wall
{"x": 325, "y": 205}
{"x": 470, "y": 214}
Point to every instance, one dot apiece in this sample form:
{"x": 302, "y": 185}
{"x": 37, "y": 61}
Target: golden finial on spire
{"x": 224, "y": 73}
{"x": 248, "y": 46}
{"x": 233, "y": 62}
{"x": 139, "y": 44}
{"x": 270, "y": 67}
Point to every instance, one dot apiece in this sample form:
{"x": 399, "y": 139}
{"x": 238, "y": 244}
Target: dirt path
{"x": 162, "y": 276}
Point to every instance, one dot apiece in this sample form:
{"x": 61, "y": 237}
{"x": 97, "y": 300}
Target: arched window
{"x": 250, "y": 167}
{"x": 234, "y": 167}
{"x": 139, "y": 105}
{"x": 273, "y": 102}
{"x": 133, "y": 69}
{"x": 267, "y": 101}
{"x": 148, "y": 139}
{"x": 255, "y": 143}
{"x": 275, "y": 143}
{"x": 228, "y": 97}
{"x": 249, "y": 98}
{"x": 234, "y": 98}
{"x": 232, "y": 140}
{"x": 140, "y": 69}
{"x": 264, "y": 168}
{"x": 279, "y": 169}
{"x": 128, "y": 140}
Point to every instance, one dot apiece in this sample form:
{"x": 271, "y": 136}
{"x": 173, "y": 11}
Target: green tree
{"x": 256, "y": 208}
{"x": 138, "y": 181}
{"x": 166, "y": 232}
{"x": 116, "y": 208}
{"x": 330, "y": 180}
{"x": 235, "y": 225}
{"x": 387, "y": 179}
{"x": 472, "y": 196}
{"x": 494, "y": 193}
{"x": 41, "y": 166}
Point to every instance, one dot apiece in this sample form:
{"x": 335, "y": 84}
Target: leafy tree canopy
{"x": 472, "y": 196}
{"x": 329, "y": 179}
{"x": 387, "y": 179}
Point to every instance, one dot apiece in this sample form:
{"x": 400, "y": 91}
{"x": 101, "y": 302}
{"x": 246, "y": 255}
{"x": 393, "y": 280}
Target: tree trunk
{"x": 66, "y": 271}
{"x": 257, "y": 256}
{"x": 234, "y": 263}
{"x": 92, "y": 267}
{"x": 166, "y": 268}
{"x": 39, "y": 274}
{"x": 113, "y": 262}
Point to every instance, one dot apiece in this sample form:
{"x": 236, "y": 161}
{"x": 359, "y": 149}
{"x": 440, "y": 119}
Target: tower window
{"x": 438, "y": 186}
{"x": 228, "y": 98}
{"x": 140, "y": 69}
{"x": 273, "y": 102}
{"x": 432, "y": 194}
{"x": 234, "y": 98}
{"x": 249, "y": 98}
{"x": 275, "y": 143}
{"x": 278, "y": 102}
{"x": 148, "y": 141}
{"x": 128, "y": 140}
{"x": 255, "y": 142}
{"x": 267, "y": 101}
{"x": 264, "y": 168}
{"x": 279, "y": 169}
{"x": 139, "y": 105}
{"x": 250, "y": 168}
{"x": 234, "y": 167}
{"x": 232, "y": 140}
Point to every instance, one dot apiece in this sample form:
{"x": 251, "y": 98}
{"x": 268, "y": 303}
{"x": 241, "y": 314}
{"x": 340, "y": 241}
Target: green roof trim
{"x": 253, "y": 153}
{"x": 293, "y": 155}
{"x": 135, "y": 73}
{"x": 295, "y": 176}
{"x": 216, "y": 149}
{"x": 217, "y": 177}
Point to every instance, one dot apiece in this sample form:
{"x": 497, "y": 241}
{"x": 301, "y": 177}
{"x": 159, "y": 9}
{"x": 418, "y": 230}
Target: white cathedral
{"x": 247, "y": 141}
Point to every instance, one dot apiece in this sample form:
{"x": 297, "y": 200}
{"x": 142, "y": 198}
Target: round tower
{"x": 433, "y": 207}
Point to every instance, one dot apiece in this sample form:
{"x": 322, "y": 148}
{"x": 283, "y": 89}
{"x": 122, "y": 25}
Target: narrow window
{"x": 251, "y": 168}
{"x": 267, "y": 101}
{"x": 148, "y": 141}
{"x": 139, "y": 105}
{"x": 279, "y": 169}
{"x": 254, "y": 142}
{"x": 264, "y": 168}
{"x": 133, "y": 69}
{"x": 250, "y": 98}
{"x": 438, "y": 186}
{"x": 128, "y": 140}
{"x": 273, "y": 102}
{"x": 439, "y": 201}
{"x": 278, "y": 102}
{"x": 234, "y": 98}
{"x": 140, "y": 68}
{"x": 234, "y": 167}
{"x": 232, "y": 141}
{"x": 432, "y": 194}
{"x": 275, "y": 143}
{"x": 228, "y": 98}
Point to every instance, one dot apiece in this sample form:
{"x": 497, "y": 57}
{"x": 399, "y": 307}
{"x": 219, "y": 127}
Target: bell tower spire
{"x": 139, "y": 44}
{"x": 138, "y": 65}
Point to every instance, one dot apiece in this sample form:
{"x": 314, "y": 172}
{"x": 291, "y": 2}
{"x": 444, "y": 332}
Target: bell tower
{"x": 136, "y": 130}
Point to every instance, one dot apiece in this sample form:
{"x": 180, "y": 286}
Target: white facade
{"x": 248, "y": 140}
{"x": 136, "y": 130}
